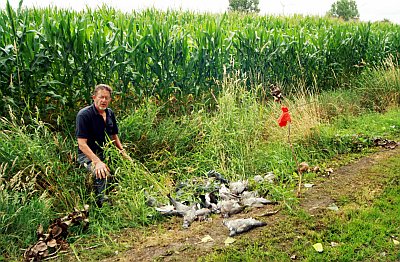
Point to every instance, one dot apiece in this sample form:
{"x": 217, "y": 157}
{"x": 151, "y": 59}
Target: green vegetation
{"x": 51, "y": 58}
{"x": 244, "y": 5}
{"x": 346, "y": 9}
{"x": 190, "y": 97}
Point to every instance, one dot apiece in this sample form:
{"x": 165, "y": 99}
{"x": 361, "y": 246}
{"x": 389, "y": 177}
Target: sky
{"x": 370, "y": 10}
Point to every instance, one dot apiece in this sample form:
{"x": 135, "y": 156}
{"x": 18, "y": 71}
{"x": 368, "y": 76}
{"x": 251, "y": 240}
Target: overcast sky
{"x": 370, "y": 10}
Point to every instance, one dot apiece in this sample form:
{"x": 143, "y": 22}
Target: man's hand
{"x": 125, "y": 155}
{"x": 101, "y": 170}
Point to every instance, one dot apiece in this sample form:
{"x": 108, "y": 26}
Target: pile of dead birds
{"x": 54, "y": 239}
{"x": 213, "y": 194}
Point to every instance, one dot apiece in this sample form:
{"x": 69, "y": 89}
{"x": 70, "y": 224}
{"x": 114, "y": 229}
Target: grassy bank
{"x": 240, "y": 138}
{"x": 364, "y": 227}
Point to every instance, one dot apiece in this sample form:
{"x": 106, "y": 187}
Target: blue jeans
{"x": 100, "y": 185}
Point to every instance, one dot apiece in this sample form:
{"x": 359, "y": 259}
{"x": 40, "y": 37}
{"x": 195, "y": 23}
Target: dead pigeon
{"x": 188, "y": 213}
{"x": 255, "y": 201}
{"x": 218, "y": 176}
{"x": 189, "y": 216}
{"x": 270, "y": 177}
{"x": 201, "y": 214}
{"x": 210, "y": 201}
{"x": 180, "y": 208}
{"x": 230, "y": 207}
{"x": 238, "y": 187}
{"x": 150, "y": 201}
{"x": 248, "y": 194}
{"x": 258, "y": 179}
{"x": 167, "y": 210}
{"x": 225, "y": 193}
{"x": 241, "y": 225}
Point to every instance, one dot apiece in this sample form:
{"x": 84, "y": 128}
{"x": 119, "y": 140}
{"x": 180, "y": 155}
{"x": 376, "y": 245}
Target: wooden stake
{"x": 298, "y": 194}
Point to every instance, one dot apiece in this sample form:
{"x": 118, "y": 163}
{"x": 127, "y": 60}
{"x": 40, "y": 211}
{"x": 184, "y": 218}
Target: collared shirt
{"x": 90, "y": 125}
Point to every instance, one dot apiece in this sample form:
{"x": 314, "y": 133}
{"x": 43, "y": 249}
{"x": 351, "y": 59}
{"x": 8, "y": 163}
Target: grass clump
{"x": 20, "y": 214}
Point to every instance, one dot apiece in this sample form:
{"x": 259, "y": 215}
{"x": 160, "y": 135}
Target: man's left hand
{"x": 125, "y": 155}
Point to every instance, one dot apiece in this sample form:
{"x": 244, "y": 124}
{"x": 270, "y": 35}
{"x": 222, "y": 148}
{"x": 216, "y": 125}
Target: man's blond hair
{"x": 102, "y": 87}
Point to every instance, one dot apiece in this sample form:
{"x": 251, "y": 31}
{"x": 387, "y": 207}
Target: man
{"x": 94, "y": 124}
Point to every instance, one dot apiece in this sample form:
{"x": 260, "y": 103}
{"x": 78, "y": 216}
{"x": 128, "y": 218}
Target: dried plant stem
{"x": 297, "y": 163}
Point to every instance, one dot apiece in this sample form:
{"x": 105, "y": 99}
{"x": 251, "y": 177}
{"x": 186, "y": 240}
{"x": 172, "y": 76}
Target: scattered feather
{"x": 333, "y": 207}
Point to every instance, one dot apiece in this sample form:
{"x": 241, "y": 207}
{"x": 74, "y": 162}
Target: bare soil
{"x": 170, "y": 242}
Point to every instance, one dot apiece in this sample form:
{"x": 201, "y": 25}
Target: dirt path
{"x": 352, "y": 181}
{"x": 169, "y": 242}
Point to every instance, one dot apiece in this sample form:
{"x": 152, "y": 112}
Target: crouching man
{"x": 94, "y": 124}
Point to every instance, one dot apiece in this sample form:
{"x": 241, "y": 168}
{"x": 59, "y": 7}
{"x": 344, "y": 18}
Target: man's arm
{"x": 100, "y": 168}
{"x": 118, "y": 144}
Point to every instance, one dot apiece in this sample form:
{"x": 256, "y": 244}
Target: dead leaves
{"x": 385, "y": 143}
{"x": 55, "y": 237}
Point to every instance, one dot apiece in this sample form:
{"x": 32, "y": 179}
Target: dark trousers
{"x": 100, "y": 185}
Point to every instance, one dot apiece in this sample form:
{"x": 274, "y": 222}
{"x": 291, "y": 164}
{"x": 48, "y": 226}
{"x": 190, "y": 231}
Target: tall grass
{"x": 373, "y": 90}
{"x": 20, "y": 215}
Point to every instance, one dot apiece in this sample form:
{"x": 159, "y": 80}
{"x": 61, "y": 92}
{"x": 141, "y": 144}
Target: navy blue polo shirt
{"x": 90, "y": 125}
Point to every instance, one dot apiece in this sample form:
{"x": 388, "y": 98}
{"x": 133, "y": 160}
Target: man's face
{"x": 102, "y": 99}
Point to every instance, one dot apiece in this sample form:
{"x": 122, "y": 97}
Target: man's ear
{"x": 93, "y": 96}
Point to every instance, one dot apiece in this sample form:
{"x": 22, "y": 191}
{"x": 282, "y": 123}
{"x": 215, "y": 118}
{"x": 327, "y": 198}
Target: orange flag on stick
{"x": 285, "y": 117}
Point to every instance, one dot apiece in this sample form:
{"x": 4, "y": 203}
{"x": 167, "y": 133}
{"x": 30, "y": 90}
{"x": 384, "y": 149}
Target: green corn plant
{"x": 53, "y": 57}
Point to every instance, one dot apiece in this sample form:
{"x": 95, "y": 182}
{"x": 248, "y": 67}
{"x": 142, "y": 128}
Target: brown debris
{"x": 385, "y": 143}
{"x": 55, "y": 238}
{"x": 316, "y": 169}
{"x": 303, "y": 167}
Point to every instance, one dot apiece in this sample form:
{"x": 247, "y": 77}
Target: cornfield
{"x": 51, "y": 58}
